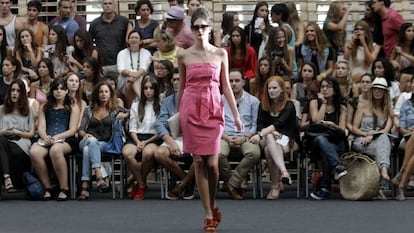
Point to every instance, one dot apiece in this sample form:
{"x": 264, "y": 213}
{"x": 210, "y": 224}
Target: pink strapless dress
{"x": 201, "y": 109}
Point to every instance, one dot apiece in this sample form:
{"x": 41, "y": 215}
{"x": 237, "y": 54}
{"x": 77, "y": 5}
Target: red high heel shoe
{"x": 209, "y": 225}
{"x": 217, "y": 216}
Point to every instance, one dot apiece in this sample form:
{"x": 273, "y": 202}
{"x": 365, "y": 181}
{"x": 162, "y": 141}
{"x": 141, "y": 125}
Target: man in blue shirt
{"x": 64, "y": 19}
{"x": 233, "y": 140}
{"x": 172, "y": 148}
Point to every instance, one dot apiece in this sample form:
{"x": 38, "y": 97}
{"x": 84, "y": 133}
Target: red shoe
{"x": 209, "y": 225}
{"x": 140, "y": 194}
{"x": 133, "y": 192}
{"x": 217, "y": 216}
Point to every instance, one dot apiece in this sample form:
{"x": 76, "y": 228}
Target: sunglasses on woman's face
{"x": 198, "y": 27}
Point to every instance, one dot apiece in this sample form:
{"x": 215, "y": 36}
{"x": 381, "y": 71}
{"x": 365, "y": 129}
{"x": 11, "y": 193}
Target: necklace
{"x": 130, "y": 59}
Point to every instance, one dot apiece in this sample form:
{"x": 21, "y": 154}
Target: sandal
{"x": 84, "y": 196}
{"x": 400, "y": 194}
{"x": 217, "y": 216}
{"x": 65, "y": 192}
{"x": 8, "y": 184}
{"x": 273, "y": 193}
{"x": 102, "y": 186}
{"x": 286, "y": 178}
{"x": 47, "y": 197}
{"x": 209, "y": 225}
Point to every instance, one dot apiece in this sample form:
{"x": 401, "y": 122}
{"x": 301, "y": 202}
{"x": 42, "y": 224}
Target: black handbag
{"x": 333, "y": 134}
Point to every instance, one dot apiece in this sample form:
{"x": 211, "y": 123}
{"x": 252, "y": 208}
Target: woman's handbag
{"x": 363, "y": 179}
{"x": 117, "y": 140}
{"x": 334, "y": 134}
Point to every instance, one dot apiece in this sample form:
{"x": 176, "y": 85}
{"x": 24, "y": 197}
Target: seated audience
{"x": 11, "y": 69}
{"x": 40, "y": 89}
{"x": 240, "y": 54}
{"x": 16, "y": 129}
{"x": 361, "y": 51}
{"x": 371, "y": 125}
{"x": 232, "y": 140}
{"x": 276, "y": 121}
{"x": 172, "y": 148}
{"x": 143, "y": 139}
{"x": 28, "y": 53}
{"x": 58, "y": 122}
{"x": 95, "y": 131}
{"x": 263, "y": 72}
{"x": 328, "y": 109}
{"x": 316, "y": 49}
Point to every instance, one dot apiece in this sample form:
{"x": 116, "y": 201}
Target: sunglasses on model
{"x": 198, "y": 27}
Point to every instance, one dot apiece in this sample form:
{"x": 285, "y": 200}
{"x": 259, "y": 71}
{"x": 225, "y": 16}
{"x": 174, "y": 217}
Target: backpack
{"x": 34, "y": 188}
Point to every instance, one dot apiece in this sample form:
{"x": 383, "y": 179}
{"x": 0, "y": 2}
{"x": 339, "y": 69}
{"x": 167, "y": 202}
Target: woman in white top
{"x": 143, "y": 139}
{"x": 132, "y": 63}
{"x": 361, "y": 51}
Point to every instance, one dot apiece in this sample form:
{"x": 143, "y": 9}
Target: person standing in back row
{"x": 109, "y": 33}
{"x": 202, "y": 68}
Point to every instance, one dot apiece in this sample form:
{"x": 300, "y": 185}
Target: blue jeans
{"x": 91, "y": 149}
{"x": 330, "y": 154}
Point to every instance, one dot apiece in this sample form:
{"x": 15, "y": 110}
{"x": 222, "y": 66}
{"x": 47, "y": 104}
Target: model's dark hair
{"x": 51, "y": 100}
{"x": 22, "y": 105}
{"x": 149, "y": 77}
{"x": 201, "y": 13}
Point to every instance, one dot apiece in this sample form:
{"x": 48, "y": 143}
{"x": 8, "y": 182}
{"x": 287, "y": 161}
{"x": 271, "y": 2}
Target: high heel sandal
{"x": 217, "y": 216}
{"x": 8, "y": 184}
{"x": 209, "y": 225}
{"x": 286, "y": 178}
{"x": 84, "y": 196}
{"x": 47, "y": 197}
{"x": 63, "y": 191}
{"x": 101, "y": 184}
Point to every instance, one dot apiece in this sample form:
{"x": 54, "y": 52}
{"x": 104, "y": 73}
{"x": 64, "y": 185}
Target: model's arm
{"x": 182, "y": 72}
